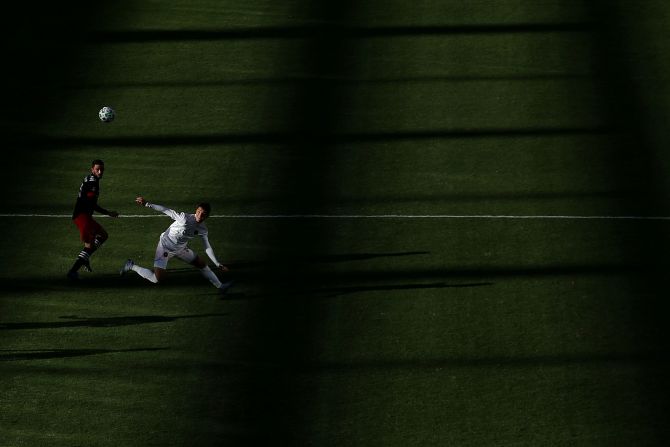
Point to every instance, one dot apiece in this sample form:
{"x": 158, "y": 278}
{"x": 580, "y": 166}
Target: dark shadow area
{"x": 298, "y": 79}
{"x": 348, "y": 257}
{"x": 40, "y": 45}
{"x": 618, "y": 63}
{"x": 9, "y": 355}
{"x": 283, "y": 333}
{"x": 339, "y": 291}
{"x": 361, "y": 256}
{"x": 420, "y": 365}
{"x": 319, "y": 137}
{"x": 594, "y": 359}
{"x": 332, "y": 292}
{"x": 97, "y": 281}
{"x": 475, "y": 271}
{"x": 74, "y": 321}
{"x": 329, "y": 32}
{"x": 489, "y": 271}
{"x": 260, "y": 272}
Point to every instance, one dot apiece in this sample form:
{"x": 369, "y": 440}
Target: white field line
{"x": 368, "y": 216}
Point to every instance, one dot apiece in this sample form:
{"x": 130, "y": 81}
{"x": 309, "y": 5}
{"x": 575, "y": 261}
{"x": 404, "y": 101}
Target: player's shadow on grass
{"x": 73, "y": 321}
{"x": 186, "y": 277}
{"x": 9, "y": 355}
{"x": 322, "y": 259}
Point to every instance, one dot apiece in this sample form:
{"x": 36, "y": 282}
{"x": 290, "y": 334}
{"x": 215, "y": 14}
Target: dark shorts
{"x": 88, "y": 228}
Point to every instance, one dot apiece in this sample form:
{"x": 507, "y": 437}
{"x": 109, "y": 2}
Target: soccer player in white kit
{"x": 173, "y": 242}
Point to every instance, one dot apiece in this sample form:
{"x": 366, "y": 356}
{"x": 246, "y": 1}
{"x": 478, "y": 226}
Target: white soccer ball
{"x": 106, "y": 114}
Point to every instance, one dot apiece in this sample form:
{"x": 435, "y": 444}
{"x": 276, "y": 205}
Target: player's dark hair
{"x": 97, "y": 161}
{"x": 205, "y": 206}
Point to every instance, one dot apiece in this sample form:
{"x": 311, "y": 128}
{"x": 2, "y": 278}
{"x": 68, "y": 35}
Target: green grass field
{"x": 399, "y": 191}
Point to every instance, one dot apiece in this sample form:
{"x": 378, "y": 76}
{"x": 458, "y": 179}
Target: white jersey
{"x": 183, "y": 229}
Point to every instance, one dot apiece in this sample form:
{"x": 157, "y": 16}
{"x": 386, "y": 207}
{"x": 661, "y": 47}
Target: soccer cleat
{"x": 224, "y": 287}
{"x": 87, "y": 265}
{"x": 72, "y": 275}
{"x": 128, "y": 266}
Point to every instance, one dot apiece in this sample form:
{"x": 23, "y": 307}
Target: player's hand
{"x": 113, "y": 214}
{"x": 223, "y": 268}
{"x": 140, "y": 201}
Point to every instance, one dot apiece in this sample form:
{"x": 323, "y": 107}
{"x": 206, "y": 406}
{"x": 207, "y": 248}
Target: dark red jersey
{"x": 87, "y": 199}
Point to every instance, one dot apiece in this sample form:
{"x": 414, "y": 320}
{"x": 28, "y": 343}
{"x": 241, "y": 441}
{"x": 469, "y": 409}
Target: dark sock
{"x": 77, "y": 265}
{"x": 83, "y": 259}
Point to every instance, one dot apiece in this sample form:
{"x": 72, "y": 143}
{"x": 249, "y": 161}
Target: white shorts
{"x": 163, "y": 255}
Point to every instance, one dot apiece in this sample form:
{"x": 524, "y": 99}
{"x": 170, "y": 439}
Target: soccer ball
{"x": 106, "y": 114}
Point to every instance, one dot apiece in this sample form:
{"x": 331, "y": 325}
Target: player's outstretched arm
{"x": 143, "y": 202}
{"x": 210, "y": 252}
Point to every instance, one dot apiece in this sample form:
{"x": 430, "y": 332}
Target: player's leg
{"x": 159, "y": 273}
{"x": 95, "y": 237}
{"x": 200, "y": 264}
{"x": 160, "y": 264}
{"x": 100, "y": 236}
{"x": 153, "y": 276}
{"x": 92, "y": 235}
{"x": 188, "y": 255}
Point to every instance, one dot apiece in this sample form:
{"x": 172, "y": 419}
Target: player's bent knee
{"x": 198, "y": 263}
{"x": 158, "y": 274}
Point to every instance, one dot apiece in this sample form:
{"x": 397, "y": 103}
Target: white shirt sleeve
{"x": 209, "y": 250}
{"x": 172, "y": 213}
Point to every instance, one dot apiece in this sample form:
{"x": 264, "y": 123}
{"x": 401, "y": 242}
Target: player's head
{"x": 97, "y": 167}
{"x": 202, "y": 211}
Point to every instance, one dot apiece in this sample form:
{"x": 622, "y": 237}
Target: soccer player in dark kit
{"x": 92, "y": 233}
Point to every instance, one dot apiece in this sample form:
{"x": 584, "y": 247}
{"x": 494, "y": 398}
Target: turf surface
{"x": 466, "y": 331}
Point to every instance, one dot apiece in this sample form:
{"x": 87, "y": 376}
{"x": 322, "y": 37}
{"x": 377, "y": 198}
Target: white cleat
{"x": 128, "y": 266}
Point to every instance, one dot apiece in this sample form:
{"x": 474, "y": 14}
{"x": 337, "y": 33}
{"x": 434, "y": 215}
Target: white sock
{"x": 209, "y": 274}
{"x": 145, "y": 273}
